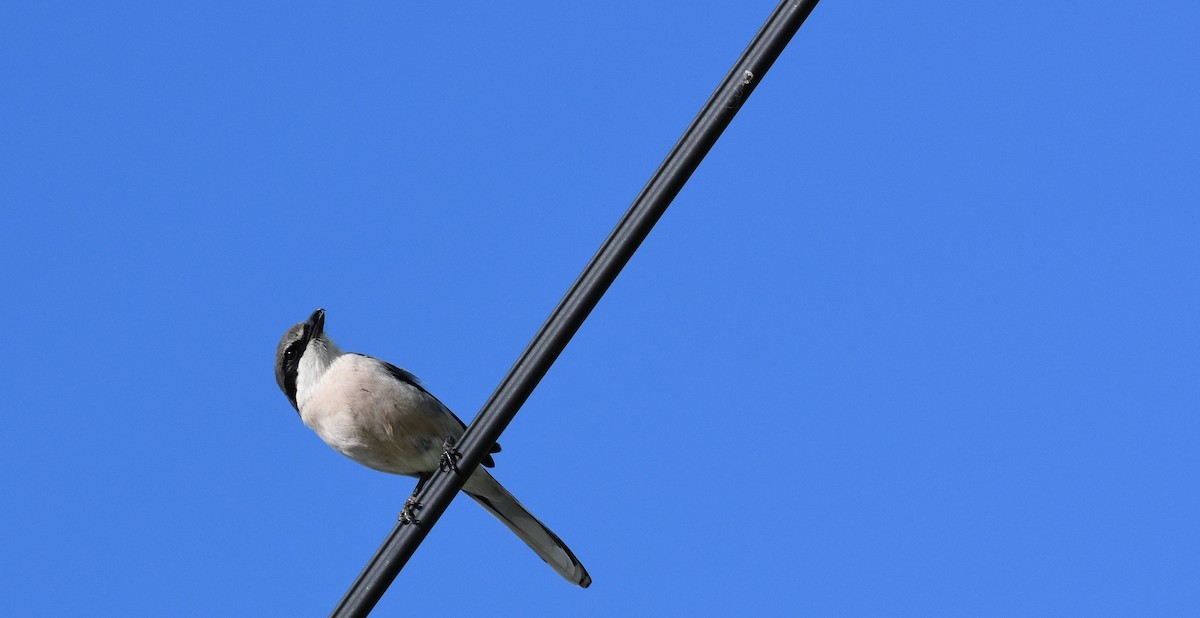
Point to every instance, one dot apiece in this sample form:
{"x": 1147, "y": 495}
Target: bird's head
{"x": 307, "y": 342}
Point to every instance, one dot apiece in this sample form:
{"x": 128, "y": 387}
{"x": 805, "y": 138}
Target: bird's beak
{"x": 316, "y": 324}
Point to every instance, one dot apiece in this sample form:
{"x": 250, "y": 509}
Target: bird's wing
{"x": 407, "y": 377}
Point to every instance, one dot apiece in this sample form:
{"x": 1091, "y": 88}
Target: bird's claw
{"x": 408, "y": 514}
{"x": 450, "y": 456}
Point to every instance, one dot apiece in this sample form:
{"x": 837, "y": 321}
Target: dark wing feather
{"x": 408, "y": 378}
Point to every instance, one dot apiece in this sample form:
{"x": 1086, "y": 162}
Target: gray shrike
{"x": 380, "y": 416}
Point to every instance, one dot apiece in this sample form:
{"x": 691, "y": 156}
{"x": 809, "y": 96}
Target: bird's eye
{"x": 290, "y": 354}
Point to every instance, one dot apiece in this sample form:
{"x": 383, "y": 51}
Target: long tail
{"x": 488, "y": 492}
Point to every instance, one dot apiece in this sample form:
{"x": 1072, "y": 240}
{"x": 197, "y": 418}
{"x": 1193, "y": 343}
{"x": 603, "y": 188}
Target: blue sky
{"x": 919, "y": 337}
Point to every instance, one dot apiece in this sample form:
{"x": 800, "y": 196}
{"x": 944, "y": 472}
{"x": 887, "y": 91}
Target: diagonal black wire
{"x": 579, "y": 301}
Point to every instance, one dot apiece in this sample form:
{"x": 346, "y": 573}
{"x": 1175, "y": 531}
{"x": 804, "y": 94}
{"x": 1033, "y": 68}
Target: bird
{"x": 382, "y": 417}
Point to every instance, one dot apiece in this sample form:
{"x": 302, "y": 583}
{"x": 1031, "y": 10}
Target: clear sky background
{"x": 920, "y": 337}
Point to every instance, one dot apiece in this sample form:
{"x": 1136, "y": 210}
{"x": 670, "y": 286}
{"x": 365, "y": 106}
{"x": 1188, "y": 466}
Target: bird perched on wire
{"x": 380, "y": 416}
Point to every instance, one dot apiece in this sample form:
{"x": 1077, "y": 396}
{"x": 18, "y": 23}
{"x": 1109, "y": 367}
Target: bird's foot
{"x": 450, "y": 456}
{"x": 408, "y": 514}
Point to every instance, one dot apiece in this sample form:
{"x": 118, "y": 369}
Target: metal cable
{"x": 579, "y": 301}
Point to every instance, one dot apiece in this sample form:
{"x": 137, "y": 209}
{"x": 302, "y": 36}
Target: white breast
{"x": 365, "y": 413}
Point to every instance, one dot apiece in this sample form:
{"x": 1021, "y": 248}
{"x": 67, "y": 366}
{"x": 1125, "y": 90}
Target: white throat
{"x": 317, "y": 357}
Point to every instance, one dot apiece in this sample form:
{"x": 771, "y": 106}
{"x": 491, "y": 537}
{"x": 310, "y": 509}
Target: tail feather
{"x": 488, "y": 492}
